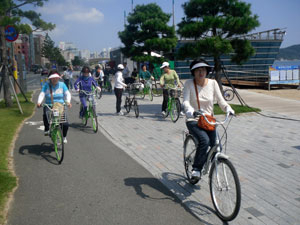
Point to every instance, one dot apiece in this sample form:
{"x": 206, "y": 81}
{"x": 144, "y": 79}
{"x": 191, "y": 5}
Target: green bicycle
{"x": 55, "y": 119}
{"x": 147, "y": 90}
{"x": 91, "y": 110}
{"x": 107, "y": 84}
{"x": 174, "y": 106}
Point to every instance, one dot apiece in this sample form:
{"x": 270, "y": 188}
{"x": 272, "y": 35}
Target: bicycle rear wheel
{"x": 136, "y": 108}
{"x": 189, "y": 152}
{"x": 175, "y": 110}
{"x": 225, "y": 189}
{"x": 127, "y": 104}
{"x": 58, "y": 144}
{"x": 94, "y": 120}
{"x": 228, "y": 94}
{"x": 155, "y": 89}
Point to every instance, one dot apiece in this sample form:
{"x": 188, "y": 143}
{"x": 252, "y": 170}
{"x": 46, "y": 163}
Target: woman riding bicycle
{"x": 99, "y": 75}
{"x": 85, "y": 82}
{"x": 208, "y": 91}
{"x": 167, "y": 80}
{"x": 55, "y": 92}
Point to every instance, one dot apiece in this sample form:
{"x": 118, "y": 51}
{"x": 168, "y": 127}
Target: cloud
{"x": 85, "y": 16}
{"x": 72, "y": 12}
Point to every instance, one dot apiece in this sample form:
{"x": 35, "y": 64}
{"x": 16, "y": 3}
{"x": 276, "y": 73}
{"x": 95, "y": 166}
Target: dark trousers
{"x": 118, "y": 94}
{"x": 165, "y": 100}
{"x": 67, "y": 82}
{"x": 205, "y": 139}
{"x": 64, "y": 126}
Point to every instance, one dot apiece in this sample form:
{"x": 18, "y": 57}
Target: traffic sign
{"x": 11, "y": 33}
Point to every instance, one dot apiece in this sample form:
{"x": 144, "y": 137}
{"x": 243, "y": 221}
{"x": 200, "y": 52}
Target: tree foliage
{"x": 12, "y": 14}
{"x": 147, "y": 31}
{"x": 214, "y": 28}
{"x": 77, "y": 61}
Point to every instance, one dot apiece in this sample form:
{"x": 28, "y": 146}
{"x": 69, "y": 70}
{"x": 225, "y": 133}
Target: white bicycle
{"x": 224, "y": 183}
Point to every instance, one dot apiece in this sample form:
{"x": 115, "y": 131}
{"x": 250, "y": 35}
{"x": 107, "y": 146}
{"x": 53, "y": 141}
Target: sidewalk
{"x": 265, "y": 152}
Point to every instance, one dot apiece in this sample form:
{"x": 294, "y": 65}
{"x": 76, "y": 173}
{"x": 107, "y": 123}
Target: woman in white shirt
{"x": 119, "y": 85}
{"x": 208, "y": 91}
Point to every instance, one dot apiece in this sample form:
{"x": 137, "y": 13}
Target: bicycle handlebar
{"x": 201, "y": 113}
{"x": 87, "y": 93}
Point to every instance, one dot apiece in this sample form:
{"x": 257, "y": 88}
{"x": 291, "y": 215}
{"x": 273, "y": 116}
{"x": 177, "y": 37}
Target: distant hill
{"x": 289, "y": 53}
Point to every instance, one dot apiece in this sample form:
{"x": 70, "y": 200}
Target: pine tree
{"x": 214, "y": 27}
{"x": 147, "y": 31}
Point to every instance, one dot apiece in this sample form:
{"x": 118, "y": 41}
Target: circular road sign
{"x": 11, "y": 33}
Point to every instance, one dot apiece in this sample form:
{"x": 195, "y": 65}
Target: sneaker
{"x": 65, "y": 140}
{"x": 163, "y": 113}
{"x": 182, "y": 113}
{"x": 46, "y": 133}
{"x": 120, "y": 113}
{"x": 196, "y": 174}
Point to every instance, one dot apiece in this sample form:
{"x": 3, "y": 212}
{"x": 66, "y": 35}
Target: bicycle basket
{"x": 135, "y": 88}
{"x": 175, "y": 93}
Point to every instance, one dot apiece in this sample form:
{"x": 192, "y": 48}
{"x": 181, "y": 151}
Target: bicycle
{"x": 223, "y": 178}
{"x": 55, "y": 118}
{"x": 107, "y": 83}
{"x": 174, "y": 106}
{"x": 228, "y": 94}
{"x": 91, "y": 110}
{"x": 155, "y": 88}
{"x": 147, "y": 89}
{"x": 131, "y": 101}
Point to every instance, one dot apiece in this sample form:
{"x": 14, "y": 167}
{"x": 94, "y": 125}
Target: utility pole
{"x": 131, "y": 5}
{"x": 173, "y": 14}
{"x": 124, "y": 18}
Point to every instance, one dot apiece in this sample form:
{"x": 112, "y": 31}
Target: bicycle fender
{"x": 221, "y": 155}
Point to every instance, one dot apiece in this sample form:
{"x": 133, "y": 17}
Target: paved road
{"x": 97, "y": 183}
{"x": 265, "y": 151}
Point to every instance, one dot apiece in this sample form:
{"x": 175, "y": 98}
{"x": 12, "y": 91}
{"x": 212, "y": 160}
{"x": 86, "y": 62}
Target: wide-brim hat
{"x": 165, "y": 64}
{"x": 202, "y": 64}
{"x": 54, "y": 76}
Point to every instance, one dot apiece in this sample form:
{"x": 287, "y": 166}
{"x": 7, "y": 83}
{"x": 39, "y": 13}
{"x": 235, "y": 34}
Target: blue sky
{"x": 94, "y": 24}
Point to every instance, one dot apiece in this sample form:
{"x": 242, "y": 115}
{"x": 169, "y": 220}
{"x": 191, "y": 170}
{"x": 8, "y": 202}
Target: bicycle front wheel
{"x": 225, "y": 189}
{"x": 127, "y": 105}
{"x": 136, "y": 108}
{"x": 143, "y": 93}
{"x": 58, "y": 144}
{"x": 189, "y": 152}
{"x": 175, "y": 110}
{"x": 94, "y": 120}
{"x": 150, "y": 94}
{"x": 228, "y": 94}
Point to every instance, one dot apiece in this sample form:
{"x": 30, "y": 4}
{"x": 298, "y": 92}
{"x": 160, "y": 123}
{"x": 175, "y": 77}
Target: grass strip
{"x": 10, "y": 120}
{"x": 237, "y": 109}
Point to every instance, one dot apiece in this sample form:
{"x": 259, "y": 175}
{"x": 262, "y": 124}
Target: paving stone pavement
{"x": 265, "y": 152}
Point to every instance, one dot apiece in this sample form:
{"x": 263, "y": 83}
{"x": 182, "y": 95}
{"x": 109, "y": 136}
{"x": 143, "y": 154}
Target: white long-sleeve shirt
{"x": 207, "y": 95}
{"x": 119, "y": 80}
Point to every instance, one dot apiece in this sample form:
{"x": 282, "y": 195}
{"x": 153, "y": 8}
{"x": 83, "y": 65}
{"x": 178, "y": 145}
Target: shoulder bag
{"x": 202, "y": 123}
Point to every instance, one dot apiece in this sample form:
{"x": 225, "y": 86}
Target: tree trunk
{"x": 218, "y": 70}
{"x": 5, "y": 73}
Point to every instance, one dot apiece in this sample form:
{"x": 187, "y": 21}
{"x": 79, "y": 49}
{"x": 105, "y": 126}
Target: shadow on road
{"x": 45, "y": 151}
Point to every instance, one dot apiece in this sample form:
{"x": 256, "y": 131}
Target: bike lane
{"x": 97, "y": 183}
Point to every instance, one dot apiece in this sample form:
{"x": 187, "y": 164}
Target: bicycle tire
{"x": 127, "y": 104}
{"x": 228, "y": 94}
{"x": 175, "y": 110}
{"x": 58, "y": 145}
{"x": 136, "y": 109}
{"x": 150, "y": 94}
{"x": 155, "y": 90}
{"x": 109, "y": 87}
{"x": 223, "y": 175}
{"x": 189, "y": 151}
{"x": 142, "y": 93}
{"x": 94, "y": 120}
{"x": 98, "y": 94}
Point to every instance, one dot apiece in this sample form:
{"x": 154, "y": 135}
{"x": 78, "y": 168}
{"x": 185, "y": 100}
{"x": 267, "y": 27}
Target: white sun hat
{"x": 55, "y": 75}
{"x": 165, "y": 64}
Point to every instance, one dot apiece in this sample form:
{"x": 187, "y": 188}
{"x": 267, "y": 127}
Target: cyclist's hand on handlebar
{"x": 230, "y": 111}
{"x": 69, "y": 104}
{"x": 39, "y": 105}
{"x": 78, "y": 90}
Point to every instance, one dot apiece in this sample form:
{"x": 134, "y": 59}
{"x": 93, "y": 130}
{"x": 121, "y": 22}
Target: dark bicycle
{"x": 130, "y": 100}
